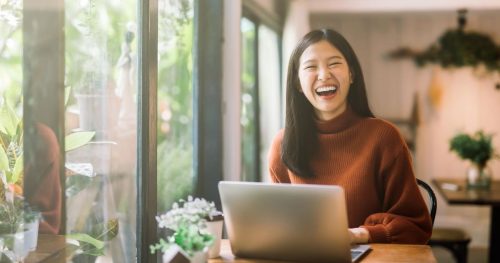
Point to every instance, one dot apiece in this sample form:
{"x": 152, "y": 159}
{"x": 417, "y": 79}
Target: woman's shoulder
{"x": 274, "y": 154}
{"x": 386, "y": 131}
{"x": 278, "y": 138}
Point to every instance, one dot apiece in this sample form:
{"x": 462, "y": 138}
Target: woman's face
{"x": 325, "y": 79}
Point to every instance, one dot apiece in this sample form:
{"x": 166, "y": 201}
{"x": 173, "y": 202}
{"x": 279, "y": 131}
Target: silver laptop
{"x": 305, "y": 223}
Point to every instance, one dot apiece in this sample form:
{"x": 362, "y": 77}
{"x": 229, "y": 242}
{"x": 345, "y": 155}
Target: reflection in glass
{"x": 101, "y": 51}
{"x": 13, "y": 245}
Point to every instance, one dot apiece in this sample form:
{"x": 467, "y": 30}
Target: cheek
{"x": 302, "y": 81}
{"x": 305, "y": 80}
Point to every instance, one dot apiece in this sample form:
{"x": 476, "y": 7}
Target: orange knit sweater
{"x": 370, "y": 160}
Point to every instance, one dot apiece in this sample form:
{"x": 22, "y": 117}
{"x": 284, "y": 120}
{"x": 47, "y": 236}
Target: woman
{"x": 331, "y": 137}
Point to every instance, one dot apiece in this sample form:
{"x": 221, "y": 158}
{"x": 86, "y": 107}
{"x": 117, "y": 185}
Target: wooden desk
{"x": 50, "y": 248}
{"x": 465, "y": 196}
{"x": 379, "y": 253}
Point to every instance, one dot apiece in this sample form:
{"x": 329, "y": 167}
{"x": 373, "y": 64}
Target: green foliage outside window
{"x": 175, "y": 99}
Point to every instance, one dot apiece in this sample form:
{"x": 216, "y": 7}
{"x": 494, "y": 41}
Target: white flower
{"x": 193, "y": 212}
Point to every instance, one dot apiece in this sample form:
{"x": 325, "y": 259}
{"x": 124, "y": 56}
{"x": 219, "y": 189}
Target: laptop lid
{"x": 286, "y": 222}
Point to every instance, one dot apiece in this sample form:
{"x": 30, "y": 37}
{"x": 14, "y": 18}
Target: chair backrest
{"x": 431, "y": 198}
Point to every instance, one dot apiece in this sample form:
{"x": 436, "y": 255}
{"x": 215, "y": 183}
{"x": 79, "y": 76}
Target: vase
{"x": 215, "y": 228}
{"x": 479, "y": 176}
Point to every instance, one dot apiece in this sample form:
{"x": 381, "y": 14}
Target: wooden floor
{"x": 476, "y": 255}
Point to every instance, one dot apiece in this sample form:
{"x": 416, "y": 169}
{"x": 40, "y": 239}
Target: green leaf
{"x": 86, "y": 239}
{"x": 77, "y": 139}
{"x": 107, "y": 230}
{"x": 18, "y": 169}
{"x": 4, "y": 161}
{"x": 8, "y": 120}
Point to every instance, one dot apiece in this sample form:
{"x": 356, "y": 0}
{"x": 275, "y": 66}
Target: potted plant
{"x": 478, "y": 149}
{"x": 192, "y": 234}
{"x": 18, "y": 224}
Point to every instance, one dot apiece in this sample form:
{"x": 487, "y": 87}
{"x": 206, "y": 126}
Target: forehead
{"x": 321, "y": 50}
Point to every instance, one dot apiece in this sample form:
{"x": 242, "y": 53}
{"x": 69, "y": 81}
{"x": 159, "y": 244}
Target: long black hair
{"x": 300, "y": 138}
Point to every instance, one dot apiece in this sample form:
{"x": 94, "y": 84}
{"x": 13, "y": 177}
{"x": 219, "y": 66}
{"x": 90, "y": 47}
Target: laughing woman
{"x": 331, "y": 137}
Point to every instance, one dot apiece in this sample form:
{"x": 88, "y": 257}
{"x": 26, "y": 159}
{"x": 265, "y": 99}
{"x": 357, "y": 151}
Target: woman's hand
{"x": 359, "y": 235}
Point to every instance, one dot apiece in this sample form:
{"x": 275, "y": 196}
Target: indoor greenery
{"x": 187, "y": 224}
{"x": 457, "y": 48}
{"x": 477, "y": 147}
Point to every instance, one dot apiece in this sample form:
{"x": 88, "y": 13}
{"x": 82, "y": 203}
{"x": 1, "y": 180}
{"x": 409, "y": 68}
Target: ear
{"x": 350, "y": 77}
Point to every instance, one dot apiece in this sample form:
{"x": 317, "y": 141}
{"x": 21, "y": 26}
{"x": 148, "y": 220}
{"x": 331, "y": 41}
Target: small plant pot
{"x": 478, "y": 177}
{"x": 14, "y": 247}
{"x": 176, "y": 255}
{"x": 31, "y": 235}
{"x": 214, "y": 227}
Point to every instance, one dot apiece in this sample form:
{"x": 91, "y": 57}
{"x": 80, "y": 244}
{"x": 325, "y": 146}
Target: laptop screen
{"x": 286, "y": 222}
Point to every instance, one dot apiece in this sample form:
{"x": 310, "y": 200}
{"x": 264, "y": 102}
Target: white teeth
{"x": 329, "y": 88}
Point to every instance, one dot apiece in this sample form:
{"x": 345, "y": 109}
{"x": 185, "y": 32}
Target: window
{"x": 101, "y": 70}
{"x": 80, "y": 79}
{"x": 269, "y": 92}
{"x": 175, "y": 102}
{"x": 260, "y": 95}
{"x": 249, "y": 102}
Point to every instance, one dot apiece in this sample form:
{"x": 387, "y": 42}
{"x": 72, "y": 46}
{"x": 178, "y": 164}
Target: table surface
{"x": 463, "y": 195}
{"x": 379, "y": 253}
{"x": 50, "y": 248}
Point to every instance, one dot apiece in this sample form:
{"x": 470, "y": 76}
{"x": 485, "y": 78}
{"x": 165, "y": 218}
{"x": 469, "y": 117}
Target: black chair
{"x": 454, "y": 239}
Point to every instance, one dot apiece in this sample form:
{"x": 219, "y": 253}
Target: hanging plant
{"x": 457, "y": 48}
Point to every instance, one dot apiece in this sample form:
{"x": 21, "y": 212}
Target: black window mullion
{"x": 207, "y": 71}
{"x": 146, "y": 141}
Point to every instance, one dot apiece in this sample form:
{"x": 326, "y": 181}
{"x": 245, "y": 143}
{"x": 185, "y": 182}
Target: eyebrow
{"x": 313, "y": 60}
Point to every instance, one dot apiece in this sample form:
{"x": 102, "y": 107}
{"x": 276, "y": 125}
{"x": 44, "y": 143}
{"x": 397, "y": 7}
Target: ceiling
{"x": 331, "y": 6}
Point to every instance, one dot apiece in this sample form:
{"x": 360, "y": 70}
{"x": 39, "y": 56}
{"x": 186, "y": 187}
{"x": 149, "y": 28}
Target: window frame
{"x": 261, "y": 17}
{"x": 43, "y": 33}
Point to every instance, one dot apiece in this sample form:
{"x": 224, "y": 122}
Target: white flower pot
{"x": 176, "y": 254}
{"x": 199, "y": 257}
{"x": 14, "y": 247}
{"x": 31, "y": 235}
{"x": 215, "y": 229}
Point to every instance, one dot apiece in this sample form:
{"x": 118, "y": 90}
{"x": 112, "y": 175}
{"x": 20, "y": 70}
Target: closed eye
{"x": 334, "y": 64}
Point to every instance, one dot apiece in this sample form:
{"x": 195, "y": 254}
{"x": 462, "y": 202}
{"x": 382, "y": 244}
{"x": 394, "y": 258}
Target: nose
{"x": 324, "y": 74}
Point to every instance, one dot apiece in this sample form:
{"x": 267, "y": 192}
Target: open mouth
{"x": 326, "y": 91}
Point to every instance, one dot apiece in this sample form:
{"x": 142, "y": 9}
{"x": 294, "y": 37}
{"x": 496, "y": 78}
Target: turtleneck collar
{"x": 339, "y": 123}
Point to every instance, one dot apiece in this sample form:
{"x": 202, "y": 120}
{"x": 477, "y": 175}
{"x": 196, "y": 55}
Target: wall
{"x": 468, "y": 101}
{"x": 333, "y": 6}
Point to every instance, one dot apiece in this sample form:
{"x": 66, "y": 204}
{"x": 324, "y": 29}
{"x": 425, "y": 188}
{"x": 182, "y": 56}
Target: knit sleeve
{"x": 277, "y": 169}
{"x": 405, "y": 217}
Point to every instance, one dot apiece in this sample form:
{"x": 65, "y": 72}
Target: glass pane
{"x": 249, "y": 145}
{"x": 11, "y": 49}
{"x": 101, "y": 125}
{"x": 11, "y": 132}
{"x": 269, "y": 92}
{"x": 175, "y": 101}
